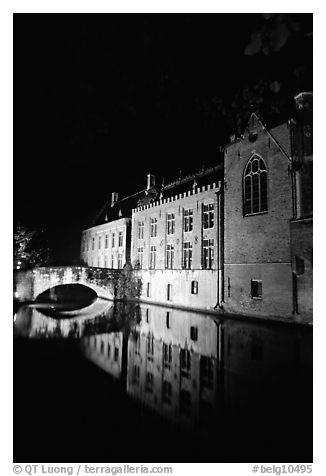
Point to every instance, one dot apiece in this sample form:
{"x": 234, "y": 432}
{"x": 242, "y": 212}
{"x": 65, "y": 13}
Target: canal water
{"x": 122, "y": 382}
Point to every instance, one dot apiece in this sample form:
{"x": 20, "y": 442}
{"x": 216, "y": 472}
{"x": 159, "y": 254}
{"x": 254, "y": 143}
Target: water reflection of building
{"x": 173, "y": 366}
{"x": 105, "y": 350}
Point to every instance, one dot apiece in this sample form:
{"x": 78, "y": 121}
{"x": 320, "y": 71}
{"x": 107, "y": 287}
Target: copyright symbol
{"x": 17, "y": 469}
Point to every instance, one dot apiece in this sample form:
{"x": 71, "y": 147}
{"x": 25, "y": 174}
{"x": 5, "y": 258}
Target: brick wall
{"x": 258, "y": 246}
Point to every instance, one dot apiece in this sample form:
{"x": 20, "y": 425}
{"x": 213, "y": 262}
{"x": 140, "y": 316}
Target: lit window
{"x": 140, "y": 255}
{"x": 169, "y": 258}
{"x": 153, "y": 227}
{"x": 150, "y": 347}
{"x": 170, "y": 223}
{"x": 208, "y": 215}
{"x": 188, "y": 220}
{"x": 208, "y": 254}
{"x": 140, "y": 230}
{"x": 167, "y": 355}
{"x": 256, "y": 289}
{"x": 185, "y": 362}
{"x": 255, "y": 186}
{"x": 120, "y": 238}
{"x": 187, "y": 255}
{"x": 152, "y": 260}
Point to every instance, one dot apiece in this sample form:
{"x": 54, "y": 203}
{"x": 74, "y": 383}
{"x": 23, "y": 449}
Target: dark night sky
{"x": 102, "y": 100}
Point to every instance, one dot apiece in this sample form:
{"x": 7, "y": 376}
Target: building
{"x": 173, "y": 366}
{"x": 107, "y": 243}
{"x": 234, "y": 238}
{"x": 176, "y": 242}
{"x": 267, "y": 269}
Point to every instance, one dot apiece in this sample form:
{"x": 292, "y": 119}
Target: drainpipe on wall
{"x": 220, "y": 246}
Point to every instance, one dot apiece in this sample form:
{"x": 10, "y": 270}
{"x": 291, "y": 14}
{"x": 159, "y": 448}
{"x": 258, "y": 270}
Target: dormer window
{"x": 255, "y": 186}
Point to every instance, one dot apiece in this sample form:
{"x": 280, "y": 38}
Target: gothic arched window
{"x": 255, "y": 186}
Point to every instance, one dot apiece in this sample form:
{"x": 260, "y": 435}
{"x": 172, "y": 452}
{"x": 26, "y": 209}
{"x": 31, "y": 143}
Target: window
{"x": 167, "y": 392}
{"x": 208, "y": 215}
{"x": 136, "y": 373}
{"x": 152, "y": 257}
{"x": 99, "y": 242}
{"x": 120, "y": 258}
{"x": 188, "y": 220}
{"x": 185, "y": 362}
{"x": 194, "y": 333}
{"x": 169, "y": 292}
{"x": 109, "y": 349}
{"x": 137, "y": 346}
{"x": 150, "y": 347}
{"x": 208, "y": 254}
{"x": 167, "y": 355}
{"x": 148, "y": 315}
{"x": 206, "y": 371}
{"x": 194, "y": 287}
{"x": 255, "y": 186}
{"x": 168, "y": 320}
{"x": 256, "y": 289}
{"x": 140, "y": 230}
{"x": 149, "y": 289}
{"x": 112, "y": 261}
{"x": 170, "y": 222}
{"x": 149, "y": 382}
{"x": 113, "y": 240}
{"x": 140, "y": 255}
{"x": 106, "y": 241}
{"x": 116, "y": 354}
{"x": 169, "y": 258}
{"x": 93, "y": 243}
{"x": 187, "y": 255}
{"x": 153, "y": 227}
{"x": 120, "y": 238}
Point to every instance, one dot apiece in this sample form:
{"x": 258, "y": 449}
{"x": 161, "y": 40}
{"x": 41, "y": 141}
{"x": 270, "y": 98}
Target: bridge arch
{"x": 46, "y": 278}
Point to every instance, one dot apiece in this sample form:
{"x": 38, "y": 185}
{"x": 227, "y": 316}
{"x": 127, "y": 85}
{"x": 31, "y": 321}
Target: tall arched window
{"x": 255, "y": 186}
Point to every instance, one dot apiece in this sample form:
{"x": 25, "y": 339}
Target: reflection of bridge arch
{"x": 103, "y": 281}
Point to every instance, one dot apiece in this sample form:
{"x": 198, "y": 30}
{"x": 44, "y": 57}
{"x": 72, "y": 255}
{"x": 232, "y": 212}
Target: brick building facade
{"x": 175, "y": 243}
{"x": 236, "y": 237}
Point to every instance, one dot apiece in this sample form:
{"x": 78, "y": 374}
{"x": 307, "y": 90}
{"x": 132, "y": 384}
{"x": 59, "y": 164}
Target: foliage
{"x": 30, "y": 247}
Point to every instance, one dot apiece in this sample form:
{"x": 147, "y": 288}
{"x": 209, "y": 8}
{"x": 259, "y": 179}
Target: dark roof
{"x": 123, "y": 207}
{"x": 197, "y": 179}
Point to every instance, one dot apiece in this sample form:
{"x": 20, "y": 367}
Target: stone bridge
{"x": 30, "y": 283}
